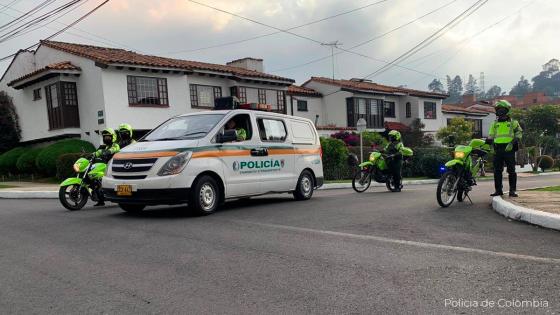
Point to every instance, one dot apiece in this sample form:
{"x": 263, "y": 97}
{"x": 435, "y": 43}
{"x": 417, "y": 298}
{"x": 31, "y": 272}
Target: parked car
{"x": 195, "y": 159}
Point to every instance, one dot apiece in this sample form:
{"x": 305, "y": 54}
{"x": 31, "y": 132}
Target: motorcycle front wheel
{"x": 361, "y": 181}
{"x": 446, "y": 189}
{"x": 73, "y": 197}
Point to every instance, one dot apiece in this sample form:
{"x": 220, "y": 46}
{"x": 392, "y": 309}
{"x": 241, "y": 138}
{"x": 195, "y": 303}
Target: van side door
{"x": 277, "y": 167}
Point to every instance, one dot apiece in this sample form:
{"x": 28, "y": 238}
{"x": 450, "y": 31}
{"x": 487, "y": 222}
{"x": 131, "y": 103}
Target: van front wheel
{"x": 205, "y": 195}
{"x": 305, "y": 185}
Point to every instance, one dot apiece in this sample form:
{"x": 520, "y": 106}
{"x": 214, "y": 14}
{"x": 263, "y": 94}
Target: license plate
{"x": 124, "y": 190}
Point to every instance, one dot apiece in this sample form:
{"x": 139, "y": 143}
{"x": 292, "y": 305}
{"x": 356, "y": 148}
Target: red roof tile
{"x": 463, "y": 110}
{"x": 393, "y": 125}
{"x": 120, "y": 56}
{"x": 302, "y": 91}
{"x": 374, "y": 87}
{"x": 64, "y": 65}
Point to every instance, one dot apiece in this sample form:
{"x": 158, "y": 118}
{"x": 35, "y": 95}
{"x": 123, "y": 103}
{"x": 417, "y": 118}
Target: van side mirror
{"x": 227, "y": 136}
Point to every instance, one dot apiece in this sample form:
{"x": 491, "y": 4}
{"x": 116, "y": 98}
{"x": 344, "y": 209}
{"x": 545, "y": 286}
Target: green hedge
{"x": 335, "y": 155}
{"x": 46, "y": 160}
{"x": 65, "y": 163}
{"x": 9, "y": 159}
{"x": 427, "y": 162}
{"x": 26, "y": 162}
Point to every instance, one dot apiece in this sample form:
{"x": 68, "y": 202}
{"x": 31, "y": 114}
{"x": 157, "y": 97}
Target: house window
{"x": 242, "y": 95}
{"x": 477, "y": 127}
{"x": 280, "y": 101}
{"x": 390, "y": 109}
{"x": 37, "y": 94}
{"x": 204, "y": 95}
{"x": 62, "y": 105}
{"x": 408, "y": 109}
{"x": 301, "y": 106}
{"x": 147, "y": 91}
{"x": 272, "y": 130}
{"x": 430, "y": 110}
{"x": 262, "y": 96}
{"x": 371, "y": 110}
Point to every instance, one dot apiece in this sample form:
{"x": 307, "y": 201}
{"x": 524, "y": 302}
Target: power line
{"x": 427, "y": 41}
{"x": 99, "y": 39}
{"x": 369, "y": 40}
{"x": 8, "y": 6}
{"x": 278, "y": 32}
{"x": 62, "y": 30}
{"x": 30, "y": 12}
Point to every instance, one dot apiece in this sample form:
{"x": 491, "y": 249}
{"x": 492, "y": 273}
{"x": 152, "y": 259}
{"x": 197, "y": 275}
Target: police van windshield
{"x": 185, "y": 127}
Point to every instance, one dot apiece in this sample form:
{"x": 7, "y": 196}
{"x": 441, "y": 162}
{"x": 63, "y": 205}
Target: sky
{"x": 524, "y": 39}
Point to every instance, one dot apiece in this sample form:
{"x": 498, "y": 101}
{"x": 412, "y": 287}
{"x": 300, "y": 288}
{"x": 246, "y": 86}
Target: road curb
{"x": 519, "y": 213}
{"x": 376, "y": 184}
{"x": 21, "y": 194}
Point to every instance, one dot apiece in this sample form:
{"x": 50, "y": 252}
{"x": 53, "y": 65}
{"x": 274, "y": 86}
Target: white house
{"x": 346, "y": 101}
{"x": 70, "y": 90}
{"x": 481, "y": 114}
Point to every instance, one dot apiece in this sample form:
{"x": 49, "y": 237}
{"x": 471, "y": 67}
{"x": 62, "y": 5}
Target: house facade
{"x": 72, "y": 90}
{"x": 346, "y": 101}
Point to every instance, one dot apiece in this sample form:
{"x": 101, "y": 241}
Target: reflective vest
{"x": 504, "y": 132}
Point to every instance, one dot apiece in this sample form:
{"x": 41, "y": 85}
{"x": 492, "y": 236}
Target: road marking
{"x": 410, "y": 243}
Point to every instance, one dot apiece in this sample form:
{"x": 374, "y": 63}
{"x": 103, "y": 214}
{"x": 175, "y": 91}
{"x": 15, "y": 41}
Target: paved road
{"x": 341, "y": 252}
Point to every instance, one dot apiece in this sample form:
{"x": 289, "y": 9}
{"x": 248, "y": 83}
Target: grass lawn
{"x": 552, "y": 188}
{"x": 6, "y": 186}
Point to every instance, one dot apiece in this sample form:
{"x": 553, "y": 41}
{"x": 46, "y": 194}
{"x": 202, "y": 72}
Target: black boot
{"x": 513, "y": 194}
{"x": 497, "y": 193}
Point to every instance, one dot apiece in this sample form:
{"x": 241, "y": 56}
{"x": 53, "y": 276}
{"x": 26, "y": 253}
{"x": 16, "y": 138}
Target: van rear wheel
{"x": 205, "y": 195}
{"x": 305, "y": 185}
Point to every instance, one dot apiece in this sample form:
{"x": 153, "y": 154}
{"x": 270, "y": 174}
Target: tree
{"x": 540, "y": 127}
{"x": 454, "y": 89}
{"x": 471, "y": 87}
{"x": 548, "y": 80}
{"x": 494, "y": 92}
{"x": 436, "y": 86}
{"x": 521, "y": 88}
{"x": 10, "y": 132}
{"x": 415, "y": 136}
{"x": 458, "y": 131}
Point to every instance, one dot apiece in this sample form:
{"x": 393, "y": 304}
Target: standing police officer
{"x": 505, "y": 133}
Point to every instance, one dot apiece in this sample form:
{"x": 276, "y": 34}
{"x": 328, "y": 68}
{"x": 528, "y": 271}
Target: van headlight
{"x": 176, "y": 164}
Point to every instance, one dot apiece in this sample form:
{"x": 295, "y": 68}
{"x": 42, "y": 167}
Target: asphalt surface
{"x": 341, "y": 252}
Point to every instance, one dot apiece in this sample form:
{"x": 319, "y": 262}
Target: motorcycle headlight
{"x": 76, "y": 167}
{"x": 459, "y": 155}
{"x": 372, "y": 158}
{"x": 176, "y": 164}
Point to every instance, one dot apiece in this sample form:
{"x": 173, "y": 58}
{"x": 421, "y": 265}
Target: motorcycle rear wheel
{"x": 361, "y": 181}
{"x": 73, "y": 197}
{"x": 445, "y": 197}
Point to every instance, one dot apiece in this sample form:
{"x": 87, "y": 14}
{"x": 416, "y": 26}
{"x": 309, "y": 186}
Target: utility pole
{"x": 333, "y": 45}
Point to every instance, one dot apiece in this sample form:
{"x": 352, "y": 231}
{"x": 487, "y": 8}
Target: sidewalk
{"x": 536, "y": 207}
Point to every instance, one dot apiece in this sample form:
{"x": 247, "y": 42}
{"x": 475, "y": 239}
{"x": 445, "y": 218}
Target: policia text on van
{"x": 205, "y": 158}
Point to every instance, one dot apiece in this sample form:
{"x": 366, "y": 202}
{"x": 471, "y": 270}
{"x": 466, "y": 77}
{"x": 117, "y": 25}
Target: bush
{"x": 46, "y": 160}
{"x": 9, "y": 159}
{"x": 545, "y": 162}
{"x": 65, "y": 163}
{"x": 26, "y": 162}
{"x": 557, "y": 163}
{"x": 335, "y": 155}
{"x": 418, "y": 167}
{"x": 430, "y": 165}
{"x": 373, "y": 140}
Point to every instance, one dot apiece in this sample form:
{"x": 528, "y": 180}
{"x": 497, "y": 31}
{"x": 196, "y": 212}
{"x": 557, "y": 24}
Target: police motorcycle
{"x": 375, "y": 168}
{"x": 460, "y": 173}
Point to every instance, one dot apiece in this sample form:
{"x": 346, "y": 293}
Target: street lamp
{"x": 361, "y": 126}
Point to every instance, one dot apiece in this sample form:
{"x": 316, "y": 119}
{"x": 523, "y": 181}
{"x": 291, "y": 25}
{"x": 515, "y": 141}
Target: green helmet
{"x": 124, "y": 127}
{"x": 503, "y": 103}
{"x": 395, "y": 134}
{"x": 109, "y": 131}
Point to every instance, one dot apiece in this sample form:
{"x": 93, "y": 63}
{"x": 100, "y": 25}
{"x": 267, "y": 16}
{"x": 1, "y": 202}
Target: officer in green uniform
{"x": 125, "y": 135}
{"x": 505, "y": 133}
{"x": 105, "y": 152}
{"x": 395, "y": 157}
{"x": 241, "y": 133}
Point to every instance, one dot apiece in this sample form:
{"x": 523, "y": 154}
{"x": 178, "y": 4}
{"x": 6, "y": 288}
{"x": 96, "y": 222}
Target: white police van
{"x": 200, "y": 159}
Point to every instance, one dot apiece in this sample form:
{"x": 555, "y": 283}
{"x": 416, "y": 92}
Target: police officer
{"x": 241, "y": 133}
{"x": 505, "y": 133}
{"x": 105, "y": 152}
{"x": 395, "y": 157}
{"x": 125, "y": 135}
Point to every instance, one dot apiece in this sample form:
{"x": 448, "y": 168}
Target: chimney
{"x": 360, "y": 80}
{"x": 469, "y": 100}
{"x": 248, "y": 63}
